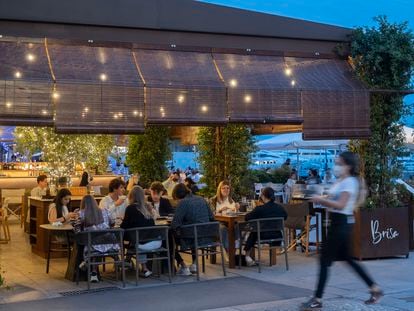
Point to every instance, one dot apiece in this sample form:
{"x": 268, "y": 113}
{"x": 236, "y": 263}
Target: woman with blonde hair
{"x": 139, "y": 214}
{"x": 222, "y": 201}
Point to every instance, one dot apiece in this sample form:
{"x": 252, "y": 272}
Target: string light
{"x": 233, "y": 83}
{"x": 204, "y": 108}
{"x": 18, "y": 74}
{"x": 44, "y": 111}
{"x": 86, "y": 109}
{"x": 30, "y": 57}
{"x": 288, "y": 71}
{"x": 181, "y": 99}
{"x": 293, "y": 82}
{"x": 247, "y": 99}
{"x": 135, "y": 112}
{"x": 8, "y": 104}
{"x": 55, "y": 95}
{"x": 103, "y": 77}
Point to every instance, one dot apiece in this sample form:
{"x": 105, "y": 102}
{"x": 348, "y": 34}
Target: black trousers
{"x": 338, "y": 247}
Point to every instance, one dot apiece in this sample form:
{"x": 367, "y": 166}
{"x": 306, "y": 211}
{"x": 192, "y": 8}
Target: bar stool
{"x": 53, "y": 230}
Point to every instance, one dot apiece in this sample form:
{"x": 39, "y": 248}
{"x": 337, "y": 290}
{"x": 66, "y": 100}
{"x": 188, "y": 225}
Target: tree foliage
{"x": 383, "y": 57}
{"x": 63, "y": 151}
{"x": 148, "y": 153}
{"x": 225, "y": 153}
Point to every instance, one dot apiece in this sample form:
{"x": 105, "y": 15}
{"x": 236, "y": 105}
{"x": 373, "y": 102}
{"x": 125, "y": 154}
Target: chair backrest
{"x": 15, "y": 196}
{"x": 258, "y": 187}
{"x": 146, "y": 234}
{"x": 3, "y": 207}
{"x": 262, "y": 225}
{"x": 110, "y": 237}
{"x": 296, "y": 215}
{"x": 203, "y": 231}
{"x": 276, "y": 187}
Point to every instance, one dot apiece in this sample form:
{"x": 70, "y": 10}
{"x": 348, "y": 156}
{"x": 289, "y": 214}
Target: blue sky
{"x": 350, "y": 13}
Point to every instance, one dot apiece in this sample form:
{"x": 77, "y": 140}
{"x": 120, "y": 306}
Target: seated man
{"x": 41, "y": 188}
{"x": 191, "y": 209}
{"x": 115, "y": 202}
{"x": 268, "y": 210}
{"x": 162, "y": 205}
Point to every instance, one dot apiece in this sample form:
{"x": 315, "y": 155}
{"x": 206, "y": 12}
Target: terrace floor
{"x": 245, "y": 289}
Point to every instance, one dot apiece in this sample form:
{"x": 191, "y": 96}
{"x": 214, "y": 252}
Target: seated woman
{"x": 139, "y": 214}
{"x": 161, "y": 205}
{"x": 58, "y": 210}
{"x": 222, "y": 202}
{"x": 94, "y": 218}
{"x": 268, "y": 210}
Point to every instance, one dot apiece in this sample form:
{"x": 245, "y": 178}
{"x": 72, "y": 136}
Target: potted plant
{"x": 383, "y": 58}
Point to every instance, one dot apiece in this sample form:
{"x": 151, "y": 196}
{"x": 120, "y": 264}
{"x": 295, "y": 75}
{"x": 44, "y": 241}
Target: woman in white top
{"x": 58, "y": 211}
{"x": 343, "y": 197}
{"x": 223, "y": 202}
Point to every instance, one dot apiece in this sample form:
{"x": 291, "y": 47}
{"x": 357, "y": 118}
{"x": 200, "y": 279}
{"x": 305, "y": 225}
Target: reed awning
{"x": 101, "y": 89}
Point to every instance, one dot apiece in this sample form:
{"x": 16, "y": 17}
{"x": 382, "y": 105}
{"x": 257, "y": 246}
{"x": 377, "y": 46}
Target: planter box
{"x": 381, "y": 232}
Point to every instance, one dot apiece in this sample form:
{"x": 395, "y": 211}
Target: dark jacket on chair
{"x": 268, "y": 210}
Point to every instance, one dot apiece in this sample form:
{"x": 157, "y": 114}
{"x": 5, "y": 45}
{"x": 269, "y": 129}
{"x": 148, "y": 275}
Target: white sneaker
{"x": 184, "y": 271}
{"x": 249, "y": 261}
{"x": 147, "y": 273}
{"x": 94, "y": 277}
{"x": 193, "y": 268}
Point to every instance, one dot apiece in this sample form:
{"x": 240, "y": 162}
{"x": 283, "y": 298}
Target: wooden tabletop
{"x": 63, "y": 227}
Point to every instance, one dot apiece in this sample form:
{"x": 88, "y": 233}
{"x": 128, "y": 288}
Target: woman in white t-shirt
{"x": 223, "y": 202}
{"x": 341, "y": 202}
{"x": 58, "y": 210}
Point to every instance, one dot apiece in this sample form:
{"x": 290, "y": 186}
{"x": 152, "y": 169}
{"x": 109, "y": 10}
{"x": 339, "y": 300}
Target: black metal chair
{"x": 113, "y": 238}
{"x": 270, "y": 231}
{"x": 137, "y": 236}
{"x": 204, "y": 237}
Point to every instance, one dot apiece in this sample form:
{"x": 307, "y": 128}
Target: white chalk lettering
{"x": 378, "y": 235}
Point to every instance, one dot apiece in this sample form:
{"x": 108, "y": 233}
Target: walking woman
{"x": 343, "y": 197}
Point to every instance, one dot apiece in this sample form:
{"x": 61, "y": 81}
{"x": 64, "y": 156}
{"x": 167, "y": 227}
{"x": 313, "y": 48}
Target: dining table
{"x": 230, "y": 220}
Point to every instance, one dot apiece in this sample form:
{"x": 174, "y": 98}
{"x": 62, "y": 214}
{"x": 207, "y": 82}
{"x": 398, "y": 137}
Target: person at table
{"x": 191, "y": 185}
{"x": 95, "y": 218}
{"x": 41, "y": 188}
{"x": 329, "y": 177}
{"x": 58, "y": 210}
{"x": 85, "y": 179}
{"x": 132, "y": 182}
{"x": 191, "y": 209}
{"x": 269, "y": 209}
{"x": 313, "y": 177}
{"x": 171, "y": 182}
{"x": 115, "y": 202}
{"x": 139, "y": 214}
{"x": 222, "y": 202}
{"x": 288, "y": 187}
{"x": 162, "y": 205}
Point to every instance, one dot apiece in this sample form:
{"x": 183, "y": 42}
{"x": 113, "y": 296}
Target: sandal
{"x": 376, "y": 296}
